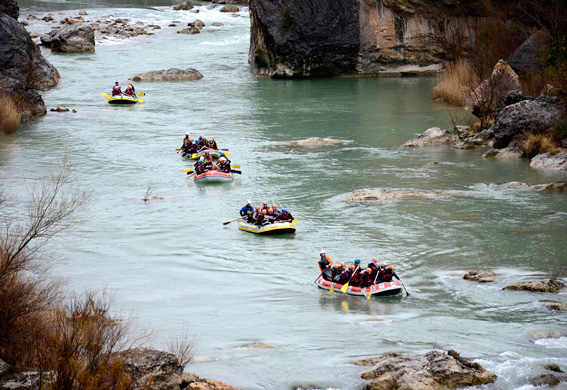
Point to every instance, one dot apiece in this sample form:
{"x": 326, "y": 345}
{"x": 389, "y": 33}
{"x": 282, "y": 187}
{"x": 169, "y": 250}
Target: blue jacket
{"x": 245, "y": 209}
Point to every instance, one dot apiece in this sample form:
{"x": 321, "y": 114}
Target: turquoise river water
{"x": 175, "y": 266}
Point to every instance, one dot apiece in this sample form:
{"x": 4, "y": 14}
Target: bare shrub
{"x": 26, "y": 289}
{"x": 85, "y": 342}
{"x": 10, "y": 117}
{"x": 183, "y": 347}
{"x": 455, "y": 82}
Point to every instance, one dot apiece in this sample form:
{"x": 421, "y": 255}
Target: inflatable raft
{"x": 273, "y": 228}
{"x": 213, "y": 176}
{"x": 124, "y": 99}
{"x": 381, "y": 289}
{"x": 195, "y": 156}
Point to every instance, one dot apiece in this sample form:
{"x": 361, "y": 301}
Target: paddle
{"x": 141, "y": 101}
{"x": 332, "y": 290}
{"x": 141, "y": 94}
{"x": 236, "y": 171}
{"x": 104, "y": 94}
{"x": 345, "y": 286}
{"x": 234, "y": 220}
{"x": 407, "y": 293}
{"x": 236, "y": 166}
{"x": 315, "y": 281}
{"x": 188, "y": 171}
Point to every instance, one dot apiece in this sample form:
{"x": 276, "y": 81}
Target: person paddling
{"x": 116, "y": 90}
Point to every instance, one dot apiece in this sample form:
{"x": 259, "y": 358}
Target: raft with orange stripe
{"x": 381, "y": 289}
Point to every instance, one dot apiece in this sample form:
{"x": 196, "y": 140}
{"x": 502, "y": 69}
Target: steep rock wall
{"x": 23, "y": 70}
{"x": 326, "y": 38}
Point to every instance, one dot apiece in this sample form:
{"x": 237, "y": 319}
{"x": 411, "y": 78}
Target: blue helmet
{"x": 222, "y": 153}
{"x": 357, "y": 261}
{"x": 284, "y": 211}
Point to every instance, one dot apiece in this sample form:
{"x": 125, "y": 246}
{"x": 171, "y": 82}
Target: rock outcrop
{"x": 536, "y": 116}
{"x": 433, "y": 136}
{"x": 539, "y": 286}
{"x": 366, "y": 37}
{"x": 76, "y": 38}
{"x": 23, "y": 70}
{"x": 432, "y": 371}
{"x": 172, "y": 74}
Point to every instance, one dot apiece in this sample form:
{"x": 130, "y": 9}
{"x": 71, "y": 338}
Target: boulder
{"x": 5, "y": 370}
{"x": 172, "y": 74}
{"x": 527, "y": 57}
{"x": 10, "y": 8}
{"x": 539, "y": 286}
{"x": 149, "y": 366}
{"x": 548, "y": 161}
{"x": 23, "y": 70}
{"x": 536, "y": 116}
{"x": 511, "y": 97}
{"x": 480, "y": 276}
{"x": 552, "y": 367}
{"x": 77, "y": 38}
{"x": 229, "y": 8}
{"x": 29, "y": 380}
{"x": 197, "y": 23}
{"x": 182, "y": 7}
{"x": 60, "y": 109}
{"x": 509, "y": 152}
{"x": 193, "y": 382}
{"x": 548, "y": 379}
{"x": 190, "y": 30}
{"x": 432, "y": 371}
{"x": 433, "y": 136}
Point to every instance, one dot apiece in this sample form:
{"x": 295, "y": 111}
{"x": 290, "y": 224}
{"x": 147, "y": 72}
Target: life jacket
{"x": 366, "y": 279}
{"x": 324, "y": 262}
{"x": 387, "y": 275}
{"x": 345, "y": 276}
{"x": 245, "y": 209}
{"x": 129, "y": 91}
{"x": 116, "y": 90}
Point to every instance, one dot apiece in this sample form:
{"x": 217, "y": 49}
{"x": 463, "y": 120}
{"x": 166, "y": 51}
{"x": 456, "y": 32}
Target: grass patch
{"x": 454, "y": 83}
{"x": 535, "y": 144}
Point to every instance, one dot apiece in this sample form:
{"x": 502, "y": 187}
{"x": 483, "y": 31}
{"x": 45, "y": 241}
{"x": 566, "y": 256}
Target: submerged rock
{"x": 432, "y": 371}
{"x": 258, "y": 345}
{"x": 376, "y": 194}
{"x": 558, "y": 186}
{"x": 557, "y": 306}
{"x": 313, "y": 141}
{"x": 539, "y": 286}
{"x": 172, "y": 74}
{"x": 480, "y": 276}
{"x": 60, "y": 109}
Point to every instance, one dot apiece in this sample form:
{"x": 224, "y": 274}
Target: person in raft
{"x": 324, "y": 261}
{"x": 212, "y": 144}
{"x": 285, "y": 216}
{"x": 247, "y": 209}
{"x": 223, "y": 165}
{"x": 130, "y": 91}
{"x": 389, "y": 273}
{"x": 200, "y": 166}
{"x": 116, "y": 90}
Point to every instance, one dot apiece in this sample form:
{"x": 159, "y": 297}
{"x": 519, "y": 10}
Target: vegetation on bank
{"x": 472, "y": 73}
{"x": 72, "y": 342}
{"x": 10, "y": 118}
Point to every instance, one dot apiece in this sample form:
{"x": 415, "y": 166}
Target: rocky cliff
{"x": 300, "y": 38}
{"x": 23, "y": 70}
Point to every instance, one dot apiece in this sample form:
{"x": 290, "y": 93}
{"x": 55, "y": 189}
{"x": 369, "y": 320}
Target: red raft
{"x": 381, "y": 289}
{"x": 213, "y": 176}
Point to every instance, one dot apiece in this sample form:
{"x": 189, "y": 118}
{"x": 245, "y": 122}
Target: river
{"x": 173, "y": 265}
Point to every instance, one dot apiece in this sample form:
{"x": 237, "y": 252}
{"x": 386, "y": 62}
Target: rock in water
{"x": 77, "y": 38}
{"x": 480, "y": 276}
{"x": 432, "y": 371}
{"x": 539, "y": 286}
{"x": 172, "y": 74}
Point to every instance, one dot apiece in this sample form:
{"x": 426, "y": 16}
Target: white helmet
{"x": 222, "y": 159}
{"x": 249, "y": 202}
{"x": 186, "y": 134}
{"x": 322, "y": 252}
{"x": 202, "y": 158}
